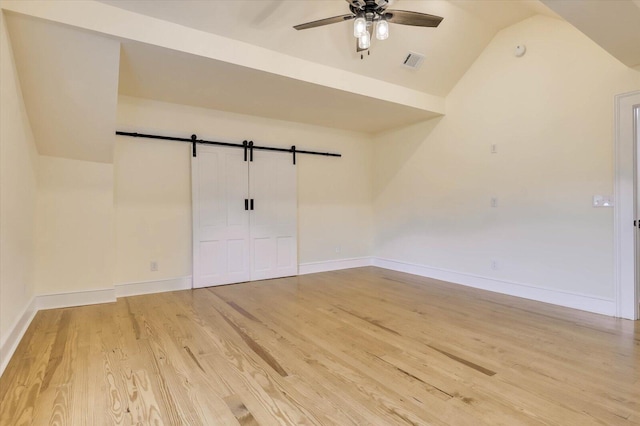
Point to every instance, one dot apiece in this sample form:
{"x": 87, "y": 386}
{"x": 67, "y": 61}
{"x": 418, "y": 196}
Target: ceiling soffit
{"x": 69, "y": 82}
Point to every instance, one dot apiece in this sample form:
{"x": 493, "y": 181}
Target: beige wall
{"x": 153, "y": 186}
{"x": 74, "y": 226}
{"x": 152, "y": 210}
{"x": 18, "y": 162}
{"x": 69, "y": 79}
{"x": 550, "y": 115}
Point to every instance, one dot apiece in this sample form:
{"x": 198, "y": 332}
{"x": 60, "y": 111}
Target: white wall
{"x": 152, "y": 209}
{"x": 69, "y": 79}
{"x": 429, "y": 184}
{"x": 18, "y": 162}
{"x": 550, "y": 115}
{"x": 153, "y": 187}
{"x": 74, "y": 226}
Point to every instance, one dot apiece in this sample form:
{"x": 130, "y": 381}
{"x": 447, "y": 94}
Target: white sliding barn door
{"x": 230, "y": 243}
{"x": 273, "y": 188}
{"x": 220, "y": 185}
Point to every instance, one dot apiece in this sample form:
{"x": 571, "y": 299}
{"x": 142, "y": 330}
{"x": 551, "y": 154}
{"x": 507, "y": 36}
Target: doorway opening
{"x": 627, "y": 205}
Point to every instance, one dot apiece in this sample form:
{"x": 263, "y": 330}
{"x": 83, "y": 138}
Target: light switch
{"x": 603, "y": 201}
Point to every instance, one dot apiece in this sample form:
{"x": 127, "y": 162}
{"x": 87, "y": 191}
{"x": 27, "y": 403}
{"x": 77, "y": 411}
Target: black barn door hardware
{"x": 248, "y": 203}
{"x": 247, "y": 146}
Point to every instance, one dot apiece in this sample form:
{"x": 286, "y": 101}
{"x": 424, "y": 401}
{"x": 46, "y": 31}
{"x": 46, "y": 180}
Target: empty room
{"x": 327, "y": 212}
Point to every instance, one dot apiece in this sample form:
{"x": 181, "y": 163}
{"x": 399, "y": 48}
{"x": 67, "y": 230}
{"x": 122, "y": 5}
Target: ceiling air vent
{"x": 413, "y": 60}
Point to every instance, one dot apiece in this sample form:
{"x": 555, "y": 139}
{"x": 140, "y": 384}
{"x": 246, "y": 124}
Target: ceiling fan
{"x": 368, "y": 12}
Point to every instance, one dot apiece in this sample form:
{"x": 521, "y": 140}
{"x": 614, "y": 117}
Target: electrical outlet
{"x": 154, "y": 266}
{"x": 494, "y": 148}
{"x": 338, "y": 249}
{"x": 494, "y": 265}
{"x": 494, "y": 202}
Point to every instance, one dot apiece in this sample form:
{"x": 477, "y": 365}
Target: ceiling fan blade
{"x": 326, "y": 21}
{"x": 416, "y": 19}
{"x": 356, "y": 3}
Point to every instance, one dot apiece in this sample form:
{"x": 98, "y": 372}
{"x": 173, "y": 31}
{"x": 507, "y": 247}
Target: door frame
{"x": 625, "y": 157}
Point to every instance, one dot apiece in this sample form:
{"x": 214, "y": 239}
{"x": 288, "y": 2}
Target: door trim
{"x": 625, "y": 283}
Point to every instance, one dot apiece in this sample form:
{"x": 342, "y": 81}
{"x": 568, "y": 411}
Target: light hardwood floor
{"x": 363, "y": 346}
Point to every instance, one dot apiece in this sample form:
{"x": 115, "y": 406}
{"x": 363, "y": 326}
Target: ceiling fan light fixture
{"x": 359, "y": 27}
{"x": 382, "y": 29}
{"x": 372, "y": 18}
{"x": 364, "y": 41}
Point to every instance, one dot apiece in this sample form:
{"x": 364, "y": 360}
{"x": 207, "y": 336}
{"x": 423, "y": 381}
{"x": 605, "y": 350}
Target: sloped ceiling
{"x": 613, "y": 24}
{"x": 153, "y": 72}
{"x": 450, "y": 49}
{"x": 241, "y": 56}
{"x": 343, "y": 93}
{"x": 69, "y": 82}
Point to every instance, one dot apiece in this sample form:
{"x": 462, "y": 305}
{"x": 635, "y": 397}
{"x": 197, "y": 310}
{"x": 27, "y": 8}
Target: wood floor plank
{"x": 326, "y": 361}
{"x": 21, "y": 381}
{"x": 321, "y": 394}
{"x": 229, "y": 343}
{"x": 351, "y": 347}
{"x": 169, "y": 369}
{"x": 368, "y": 381}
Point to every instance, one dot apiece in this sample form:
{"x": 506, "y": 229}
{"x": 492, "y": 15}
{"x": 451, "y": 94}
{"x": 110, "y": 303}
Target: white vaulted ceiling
{"x": 74, "y": 58}
{"x": 613, "y": 24}
{"x": 467, "y": 28}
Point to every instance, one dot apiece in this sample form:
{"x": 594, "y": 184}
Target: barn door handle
{"x": 246, "y": 204}
{"x": 252, "y": 204}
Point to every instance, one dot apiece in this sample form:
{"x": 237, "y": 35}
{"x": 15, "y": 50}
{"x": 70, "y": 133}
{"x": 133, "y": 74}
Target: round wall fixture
{"x": 520, "y": 50}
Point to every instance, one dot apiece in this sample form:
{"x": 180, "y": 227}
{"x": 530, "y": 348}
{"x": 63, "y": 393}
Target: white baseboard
{"x": 48, "y": 301}
{"x": 556, "y": 297}
{"x": 10, "y": 342}
{"x": 333, "y": 265}
{"x": 63, "y": 300}
{"x": 76, "y": 298}
{"x": 147, "y": 287}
